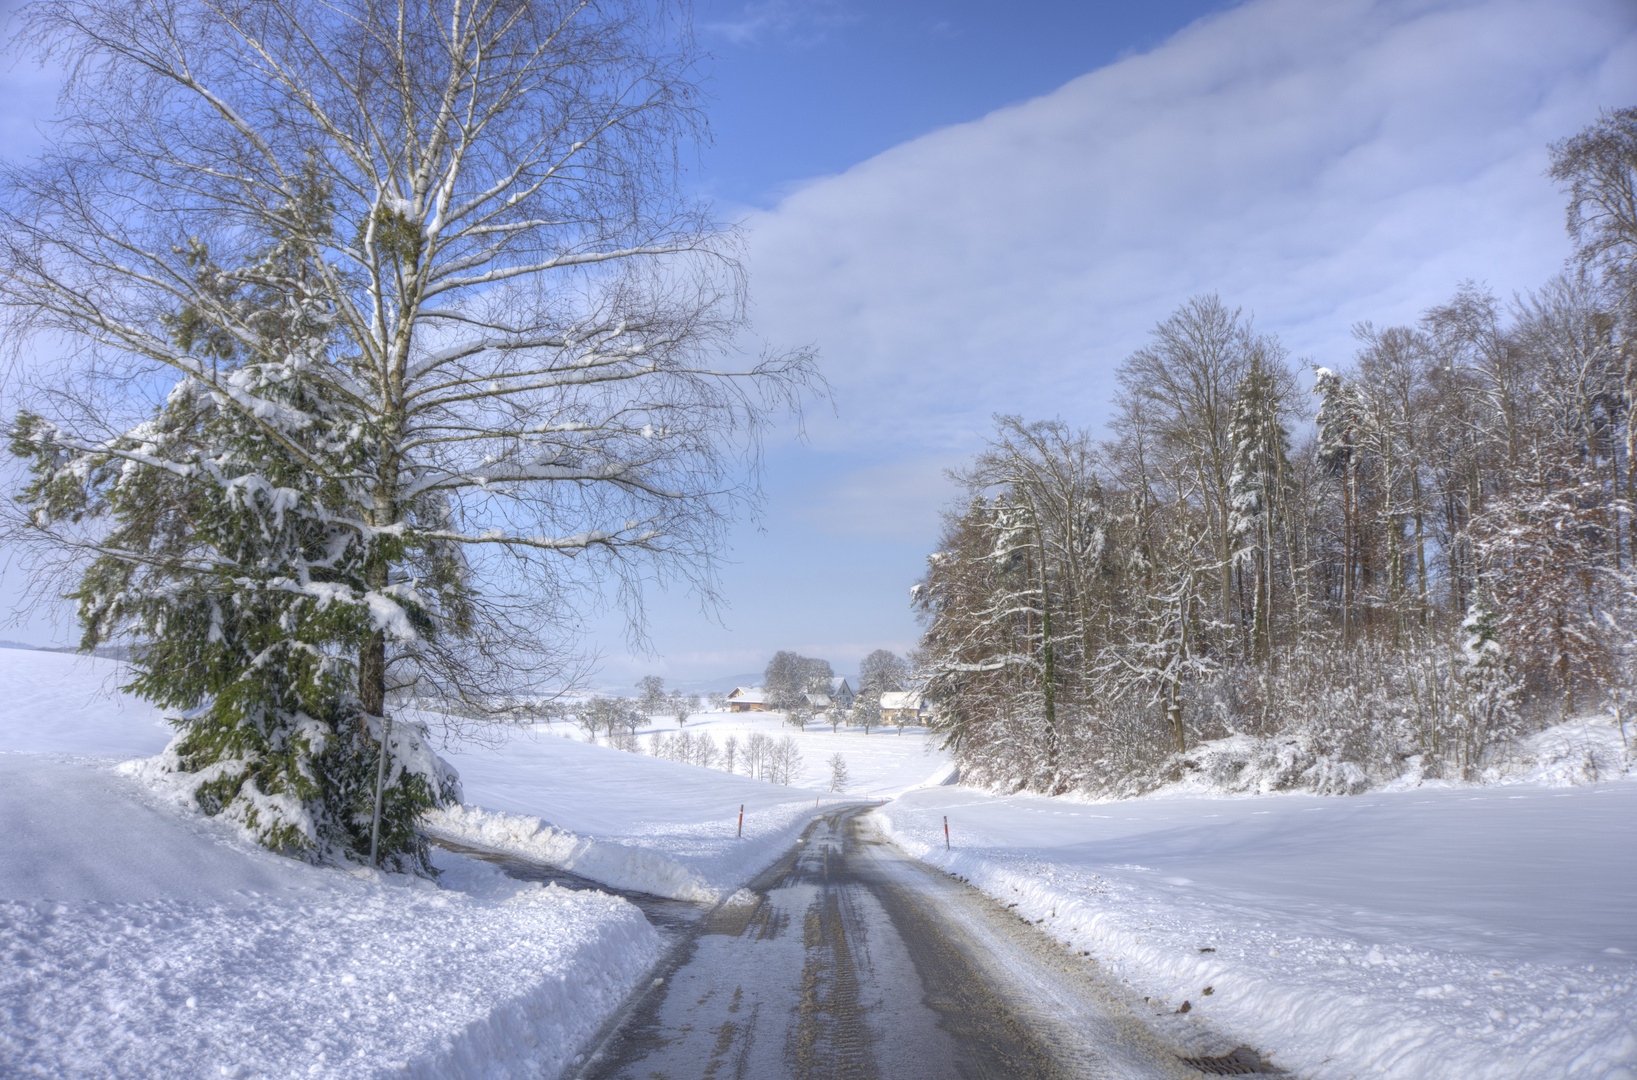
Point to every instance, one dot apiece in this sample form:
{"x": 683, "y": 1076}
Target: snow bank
{"x": 618, "y": 865}
{"x": 133, "y": 935}
{"x": 1459, "y": 933}
{"x": 141, "y": 939}
{"x": 1589, "y": 750}
{"x": 633, "y": 821}
{"x": 704, "y": 863}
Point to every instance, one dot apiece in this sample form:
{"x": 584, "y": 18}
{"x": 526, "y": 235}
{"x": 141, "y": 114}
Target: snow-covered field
{"x": 637, "y": 822}
{"x": 140, "y": 940}
{"x": 1436, "y": 931}
{"x": 1427, "y": 931}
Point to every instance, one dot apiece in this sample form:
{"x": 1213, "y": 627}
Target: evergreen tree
{"x": 867, "y": 709}
{"x": 223, "y": 555}
{"x": 1261, "y": 472}
{"x": 1490, "y": 711}
{"x": 838, "y": 774}
{"x": 228, "y": 558}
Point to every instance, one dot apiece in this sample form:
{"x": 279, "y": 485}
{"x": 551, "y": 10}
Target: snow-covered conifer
{"x": 838, "y": 773}
{"x": 242, "y": 572}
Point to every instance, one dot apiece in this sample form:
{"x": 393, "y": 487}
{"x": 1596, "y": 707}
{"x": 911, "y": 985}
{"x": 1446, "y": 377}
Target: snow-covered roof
{"x": 818, "y": 701}
{"x": 901, "y": 699}
{"x": 749, "y": 695}
{"x": 838, "y": 686}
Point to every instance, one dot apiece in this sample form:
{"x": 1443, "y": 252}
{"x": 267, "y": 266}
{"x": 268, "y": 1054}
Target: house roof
{"x": 838, "y": 685}
{"x": 901, "y": 699}
{"x": 749, "y": 695}
{"x": 818, "y": 701}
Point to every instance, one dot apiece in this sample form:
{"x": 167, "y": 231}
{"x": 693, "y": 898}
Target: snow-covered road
{"x": 847, "y": 959}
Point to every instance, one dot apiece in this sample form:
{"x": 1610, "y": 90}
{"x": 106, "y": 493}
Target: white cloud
{"x": 897, "y": 500}
{"x": 1316, "y": 161}
{"x": 789, "y": 22}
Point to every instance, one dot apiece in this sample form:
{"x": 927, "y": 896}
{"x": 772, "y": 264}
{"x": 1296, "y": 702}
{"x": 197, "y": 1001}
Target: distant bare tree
{"x": 790, "y": 677}
{"x": 684, "y": 706}
{"x": 882, "y": 670}
{"x": 650, "y": 695}
{"x": 1598, "y": 168}
{"x": 784, "y": 761}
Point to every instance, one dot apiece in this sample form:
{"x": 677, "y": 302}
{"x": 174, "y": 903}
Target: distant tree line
{"x": 1426, "y": 557}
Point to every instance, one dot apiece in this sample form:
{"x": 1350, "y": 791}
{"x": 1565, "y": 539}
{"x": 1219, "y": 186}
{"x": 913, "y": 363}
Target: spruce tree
{"x": 1261, "y": 471}
{"x": 838, "y": 774}
{"x": 224, "y": 558}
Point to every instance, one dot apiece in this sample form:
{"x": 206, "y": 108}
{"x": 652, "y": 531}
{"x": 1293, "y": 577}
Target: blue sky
{"x": 978, "y": 208}
{"x": 807, "y": 88}
{"x": 970, "y": 215}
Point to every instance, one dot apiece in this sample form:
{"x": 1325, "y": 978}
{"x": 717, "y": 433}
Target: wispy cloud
{"x": 1316, "y": 161}
{"x": 786, "y": 22}
{"x": 899, "y": 500}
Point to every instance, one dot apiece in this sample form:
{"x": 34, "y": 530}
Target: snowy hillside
{"x": 1432, "y": 932}
{"x": 635, "y": 822}
{"x": 136, "y": 931}
{"x": 1425, "y": 931}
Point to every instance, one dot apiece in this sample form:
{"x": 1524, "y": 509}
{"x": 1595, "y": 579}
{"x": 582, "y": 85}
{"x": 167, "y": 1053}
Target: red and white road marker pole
{"x": 741, "y": 820}
{"x": 946, "y": 832}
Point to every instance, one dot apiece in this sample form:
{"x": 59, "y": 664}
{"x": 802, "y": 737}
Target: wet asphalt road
{"x": 853, "y": 961}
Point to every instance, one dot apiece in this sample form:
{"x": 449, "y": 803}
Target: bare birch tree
{"x": 525, "y": 325}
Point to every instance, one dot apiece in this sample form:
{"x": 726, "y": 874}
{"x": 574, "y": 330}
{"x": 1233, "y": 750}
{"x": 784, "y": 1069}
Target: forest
{"x": 1321, "y": 575}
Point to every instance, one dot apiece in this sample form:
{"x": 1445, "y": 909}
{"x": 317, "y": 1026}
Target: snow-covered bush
{"x": 839, "y": 778}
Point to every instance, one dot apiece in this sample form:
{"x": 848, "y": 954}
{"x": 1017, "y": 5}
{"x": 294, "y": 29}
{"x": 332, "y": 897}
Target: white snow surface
{"x": 140, "y": 940}
{"x": 1421, "y": 930}
{"x": 1430, "y": 931}
{"x": 640, "y": 823}
{"x": 68, "y": 704}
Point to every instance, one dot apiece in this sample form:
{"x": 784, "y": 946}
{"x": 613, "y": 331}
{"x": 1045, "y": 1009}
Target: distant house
{"x": 902, "y": 707}
{"x": 841, "y": 693}
{"x": 747, "y": 699}
{"x": 818, "y": 702}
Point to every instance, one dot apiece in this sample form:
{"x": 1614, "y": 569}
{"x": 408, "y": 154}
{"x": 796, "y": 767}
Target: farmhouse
{"x": 747, "y": 699}
{"x": 902, "y": 707}
{"x": 841, "y": 693}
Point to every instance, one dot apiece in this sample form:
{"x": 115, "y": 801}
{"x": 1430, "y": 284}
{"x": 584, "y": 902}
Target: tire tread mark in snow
{"x": 831, "y": 1038}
